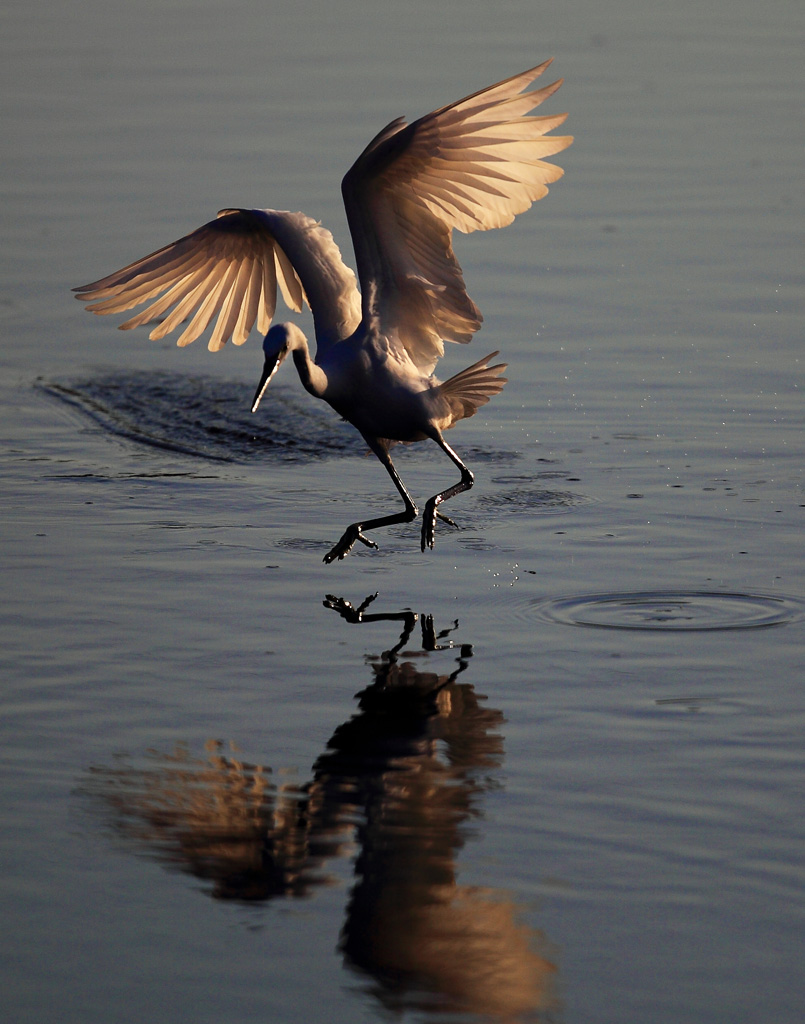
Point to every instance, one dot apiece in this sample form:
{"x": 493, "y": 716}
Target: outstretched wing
{"x": 472, "y": 165}
{"x": 230, "y": 269}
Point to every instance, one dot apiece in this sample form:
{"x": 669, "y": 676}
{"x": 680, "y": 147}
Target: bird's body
{"x": 381, "y": 392}
{"x": 472, "y": 165}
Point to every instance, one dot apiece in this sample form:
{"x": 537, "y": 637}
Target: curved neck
{"x": 314, "y": 379}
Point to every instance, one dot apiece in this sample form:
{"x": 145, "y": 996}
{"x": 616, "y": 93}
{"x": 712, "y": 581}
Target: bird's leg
{"x": 431, "y": 513}
{"x": 355, "y": 531}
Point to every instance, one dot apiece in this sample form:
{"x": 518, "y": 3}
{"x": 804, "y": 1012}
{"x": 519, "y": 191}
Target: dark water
{"x": 205, "y": 417}
{"x": 552, "y": 770}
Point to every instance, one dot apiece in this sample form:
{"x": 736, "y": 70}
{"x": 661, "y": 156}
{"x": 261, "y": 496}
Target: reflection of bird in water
{"x": 425, "y": 941}
{"x": 472, "y": 165}
{"x": 403, "y": 778}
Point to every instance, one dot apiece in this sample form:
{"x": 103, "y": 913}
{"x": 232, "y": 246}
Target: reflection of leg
{"x": 346, "y": 610}
{"x": 431, "y": 513}
{"x": 430, "y": 638}
{"x": 355, "y": 530}
{"x": 355, "y": 615}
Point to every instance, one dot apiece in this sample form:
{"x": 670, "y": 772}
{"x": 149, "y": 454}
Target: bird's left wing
{"x": 230, "y": 269}
{"x": 472, "y": 165}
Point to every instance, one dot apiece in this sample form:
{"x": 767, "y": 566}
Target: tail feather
{"x": 473, "y": 387}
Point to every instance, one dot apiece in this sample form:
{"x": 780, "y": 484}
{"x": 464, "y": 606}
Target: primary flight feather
{"x": 472, "y": 165}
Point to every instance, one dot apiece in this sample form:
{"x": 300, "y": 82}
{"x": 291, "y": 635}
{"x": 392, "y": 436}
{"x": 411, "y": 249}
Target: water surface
{"x": 551, "y": 770}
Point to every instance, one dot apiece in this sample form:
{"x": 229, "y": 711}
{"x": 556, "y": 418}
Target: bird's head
{"x": 276, "y": 345}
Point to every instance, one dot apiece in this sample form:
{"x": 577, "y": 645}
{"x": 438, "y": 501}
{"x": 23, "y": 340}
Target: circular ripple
{"x": 672, "y": 610}
{"x": 538, "y": 501}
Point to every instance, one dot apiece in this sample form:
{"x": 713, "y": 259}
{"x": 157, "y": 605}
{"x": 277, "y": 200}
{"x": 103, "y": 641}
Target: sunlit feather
{"x": 472, "y": 165}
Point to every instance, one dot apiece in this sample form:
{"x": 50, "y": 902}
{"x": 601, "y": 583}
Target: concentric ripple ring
{"x": 673, "y": 610}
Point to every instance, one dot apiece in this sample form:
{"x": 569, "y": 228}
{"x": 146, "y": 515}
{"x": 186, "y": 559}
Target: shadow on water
{"x": 402, "y": 780}
{"x": 205, "y": 417}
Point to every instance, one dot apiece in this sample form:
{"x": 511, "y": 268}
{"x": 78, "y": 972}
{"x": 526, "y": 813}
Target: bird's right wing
{"x": 472, "y": 165}
{"x": 230, "y": 269}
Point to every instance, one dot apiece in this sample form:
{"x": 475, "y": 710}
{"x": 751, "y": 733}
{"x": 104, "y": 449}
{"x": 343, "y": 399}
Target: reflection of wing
{"x": 472, "y": 165}
{"x": 230, "y": 269}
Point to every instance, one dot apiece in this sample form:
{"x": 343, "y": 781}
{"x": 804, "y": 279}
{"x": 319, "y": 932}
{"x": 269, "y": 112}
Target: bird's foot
{"x": 347, "y": 542}
{"x": 429, "y": 525}
{"x": 429, "y": 517}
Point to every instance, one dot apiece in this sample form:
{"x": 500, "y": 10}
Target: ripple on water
{"x": 535, "y": 500}
{"x": 206, "y": 417}
{"x": 673, "y": 610}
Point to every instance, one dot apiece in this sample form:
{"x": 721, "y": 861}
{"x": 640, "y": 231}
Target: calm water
{"x": 553, "y": 770}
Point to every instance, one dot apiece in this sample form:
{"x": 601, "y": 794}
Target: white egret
{"x": 472, "y": 165}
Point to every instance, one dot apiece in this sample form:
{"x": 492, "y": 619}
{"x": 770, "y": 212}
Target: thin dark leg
{"x": 430, "y": 515}
{"x": 355, "y": 531}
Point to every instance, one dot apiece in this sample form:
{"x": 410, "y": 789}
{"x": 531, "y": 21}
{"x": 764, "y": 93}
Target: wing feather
{"x": 290, "y": 285}
{"x": 225, "y": 325}
{"x": 153, "y": 312}
{"x": 215, "y": 290}
{"x": 267, "y": 298}
{"x": 472, "y": 165}
{"x": 144, "y": 286}
{"x": 226, "y": 274}
{"x": 251, "y": 302}
{"x": 189, "y": 293}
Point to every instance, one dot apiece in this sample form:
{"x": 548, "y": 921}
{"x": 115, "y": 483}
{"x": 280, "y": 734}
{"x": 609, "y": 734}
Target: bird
{"x": 472, "y": 165}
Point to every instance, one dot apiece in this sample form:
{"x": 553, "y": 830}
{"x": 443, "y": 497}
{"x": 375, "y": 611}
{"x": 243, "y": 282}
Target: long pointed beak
{"x": 269, "y": 369}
